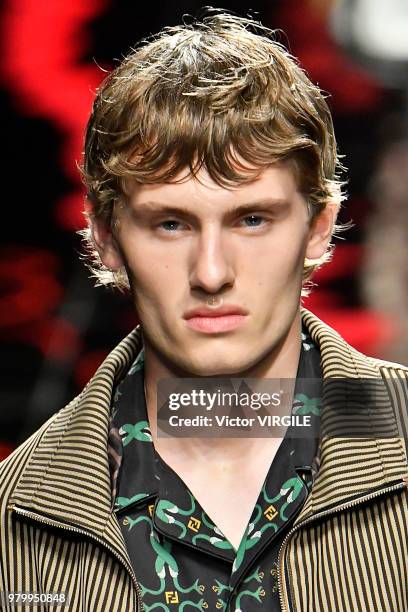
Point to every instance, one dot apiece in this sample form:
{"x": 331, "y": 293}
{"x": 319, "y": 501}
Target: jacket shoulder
{"x": 111, "y": 371}
{"x": 12, "y": 467}
{"x": 342, "y": 357}
{"x": 390, "y": 366}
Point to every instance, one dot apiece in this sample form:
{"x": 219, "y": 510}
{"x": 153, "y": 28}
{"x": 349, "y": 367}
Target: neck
{"x": 281, "y": 362}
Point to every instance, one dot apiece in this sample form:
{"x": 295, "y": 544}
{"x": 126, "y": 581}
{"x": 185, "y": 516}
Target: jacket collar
{"x": 67, "y": 477}
{"x": 352, "y": 466}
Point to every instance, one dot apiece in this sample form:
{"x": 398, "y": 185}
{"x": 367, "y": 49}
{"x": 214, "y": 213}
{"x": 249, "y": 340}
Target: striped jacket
{"x": 347, "y": 550}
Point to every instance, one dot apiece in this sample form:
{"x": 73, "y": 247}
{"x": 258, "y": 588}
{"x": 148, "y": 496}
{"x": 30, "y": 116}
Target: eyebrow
{"x": 160, "y": 207}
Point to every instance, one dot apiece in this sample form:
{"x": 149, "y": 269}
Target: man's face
{"x": 184, "y": 244}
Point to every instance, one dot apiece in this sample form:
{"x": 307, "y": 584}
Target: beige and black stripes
{"x": 349, "y": 547}
{"x": 61, "y": 477}
{"x": 356, "y": 559}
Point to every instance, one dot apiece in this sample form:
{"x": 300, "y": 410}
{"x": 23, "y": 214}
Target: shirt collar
{"x": 137, "y": 478}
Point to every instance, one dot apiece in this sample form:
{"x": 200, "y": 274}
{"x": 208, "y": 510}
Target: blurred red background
{"x": 56, "y": 327}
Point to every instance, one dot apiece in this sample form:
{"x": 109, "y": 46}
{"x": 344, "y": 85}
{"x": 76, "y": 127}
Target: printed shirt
{"x": 181, "y": 559}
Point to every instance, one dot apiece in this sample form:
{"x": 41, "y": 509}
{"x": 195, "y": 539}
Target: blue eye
{"x": 170, "y": 226}
{"x": 253, "y": 220}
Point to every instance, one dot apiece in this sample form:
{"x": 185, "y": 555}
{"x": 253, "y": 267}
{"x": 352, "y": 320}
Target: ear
{"x": 321, "y": 231}
{"x": 105, "y": 244}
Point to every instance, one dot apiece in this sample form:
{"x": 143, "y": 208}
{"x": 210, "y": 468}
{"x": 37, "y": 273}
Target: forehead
{"x": 275, "y": 183}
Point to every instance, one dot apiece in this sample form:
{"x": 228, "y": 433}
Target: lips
{"x": 215, "y": 320}
{"x": 221, "y": 311}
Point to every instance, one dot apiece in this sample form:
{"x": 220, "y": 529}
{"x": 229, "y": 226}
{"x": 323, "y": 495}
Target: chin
{"x": 210, "y": 368}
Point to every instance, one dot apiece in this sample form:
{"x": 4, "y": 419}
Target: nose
{"x": 212, "y": 268}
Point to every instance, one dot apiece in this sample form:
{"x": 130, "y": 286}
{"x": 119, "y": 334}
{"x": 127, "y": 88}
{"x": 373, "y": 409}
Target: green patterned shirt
{"x": 182, "y": 560}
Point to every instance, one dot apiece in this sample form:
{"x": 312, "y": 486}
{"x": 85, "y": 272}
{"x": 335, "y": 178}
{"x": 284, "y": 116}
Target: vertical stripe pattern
{"x": 349, "y": 547}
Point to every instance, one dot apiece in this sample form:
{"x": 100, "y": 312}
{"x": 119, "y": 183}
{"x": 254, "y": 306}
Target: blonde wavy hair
{"x": 220, "y": 93}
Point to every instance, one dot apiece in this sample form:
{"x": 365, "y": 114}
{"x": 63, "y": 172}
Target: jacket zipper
{"x": 52, "y": 523}
{"x": 283, "y": 596}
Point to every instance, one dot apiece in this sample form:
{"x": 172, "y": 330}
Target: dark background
{"x": 56, "y": 327}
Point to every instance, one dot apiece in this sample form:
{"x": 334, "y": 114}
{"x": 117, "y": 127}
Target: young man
{"x": 210, "y": 165}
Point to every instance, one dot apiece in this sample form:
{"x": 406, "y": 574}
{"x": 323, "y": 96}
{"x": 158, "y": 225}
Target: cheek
{"x": 144, "y": 264}
{"x": 154, "y": 280}
{"x": 274, "y": 261}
